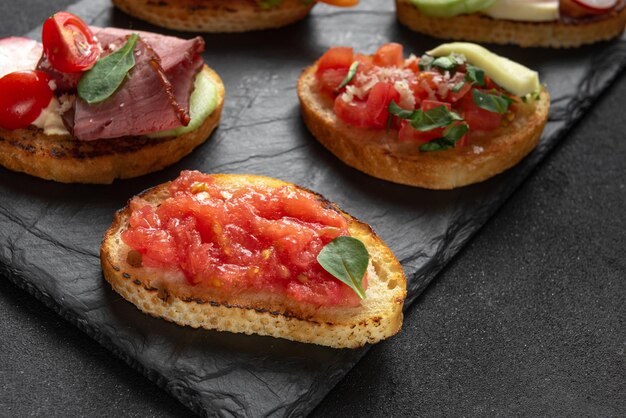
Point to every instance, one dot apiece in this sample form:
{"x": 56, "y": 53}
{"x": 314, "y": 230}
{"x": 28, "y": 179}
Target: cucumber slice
{"x": 450, "y": 8}
{"x": 202, "y": 103}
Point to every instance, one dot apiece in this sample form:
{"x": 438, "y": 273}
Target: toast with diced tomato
{"x": 477, "y": 27}
{"x": 369, "y": 141}
{"x": 64, "y": 159}
{"x": 221, "y": 15}
{"x": 168, "y": 295}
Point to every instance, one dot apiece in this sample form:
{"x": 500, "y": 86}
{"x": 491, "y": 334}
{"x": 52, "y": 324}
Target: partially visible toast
{"x": 169, "y": 296}
{"x": 215, "y": 15}
{"x": 477, "y": 27}
{"x": 380, "y": 154}
{"x": 67, "y": 160}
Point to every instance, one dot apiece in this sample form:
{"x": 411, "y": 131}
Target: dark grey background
{"x": 528, "y": 319}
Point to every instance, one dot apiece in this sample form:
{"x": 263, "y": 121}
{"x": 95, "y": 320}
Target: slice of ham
{"x": 145, "y": 102}
{"x": 180, "y": 58}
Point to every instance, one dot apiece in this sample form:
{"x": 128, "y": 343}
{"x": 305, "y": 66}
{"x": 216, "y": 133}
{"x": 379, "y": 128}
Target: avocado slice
{"x": 509, "y": 75}
{"x": 450, "y": 8}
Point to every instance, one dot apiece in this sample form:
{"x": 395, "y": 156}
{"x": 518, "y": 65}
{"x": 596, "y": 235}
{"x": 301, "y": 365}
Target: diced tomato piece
{"x": 389, "y": 55}
{"x": 452, "y": 96}
{"x": 431, "y": 104}
{"x": 366, "y": 62}
{"x": 477, "y": 118}
{"x": 337, "y": 57}
{"x": 413, "y": 65}
{"x": 371, "y": 113}
{"x": 409, "y": 134}
{"x": 331, "y": 79}
{"x": 425, "y": 86}
{"x": 378, "y": 103}
{"x": 353, "y": 113}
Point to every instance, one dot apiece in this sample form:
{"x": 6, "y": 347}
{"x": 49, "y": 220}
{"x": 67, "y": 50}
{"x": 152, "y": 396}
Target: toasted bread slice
{"x": 169, "y": 296}
{"x": 215, "y": 15}
{"x": 380, "y": 154}
{"x": 67, "y": 160}
{"x": 477, "y": 27}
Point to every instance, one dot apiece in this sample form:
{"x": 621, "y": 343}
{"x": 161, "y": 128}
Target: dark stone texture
{"x": 528, "y": 319}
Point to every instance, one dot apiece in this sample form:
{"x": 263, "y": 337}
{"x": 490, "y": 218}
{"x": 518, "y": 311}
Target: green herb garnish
{"x": 491, "y": 102}
{"x": 428, "y": 120}
{"x": 475, "y": 75}
{"x": 349, "y": 76}
{"x": 451, "y": 135}
{"x": 105, "y": 77}
{"x": 425, "y": 62}
{"x": 346, "y": 258}
{"x": 458, "y": 86}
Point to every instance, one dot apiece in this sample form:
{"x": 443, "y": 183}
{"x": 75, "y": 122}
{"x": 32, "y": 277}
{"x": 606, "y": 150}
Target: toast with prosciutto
{"x": 223, "y": 15}
{"x": 457, "y": 115}
{"x": 90, "y": 105}
{"x": 528, "y": 23}
{"x": 254, "y": 255}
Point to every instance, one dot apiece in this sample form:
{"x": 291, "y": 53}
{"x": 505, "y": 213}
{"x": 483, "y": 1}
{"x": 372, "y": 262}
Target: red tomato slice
{"x": 69, "y": 44}
{"x": 409, "y": 134}
{"x": 24, "y": 95}
{"x": 431, "y": 104}
{"x": 389, "y": 55}
{"x": 353, "y": 113}
{"x": 477, "y": 118}
{"x": 330, "y": 79}
{"x": 378, "y": 103}
{"x": 337, "y": 57}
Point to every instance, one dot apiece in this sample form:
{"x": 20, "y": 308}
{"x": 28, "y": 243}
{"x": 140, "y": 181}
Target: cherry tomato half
{"x": 69, "y": 44}
{"x": 24, "y": 95}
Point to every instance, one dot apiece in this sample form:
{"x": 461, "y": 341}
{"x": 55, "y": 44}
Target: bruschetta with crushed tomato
{"x": 254, "y": 255}
{"x": 454, "y": 116}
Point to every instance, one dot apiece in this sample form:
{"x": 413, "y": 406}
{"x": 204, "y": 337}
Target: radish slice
{"x": 597, "y": 5}
{"x": 19, "y": 54}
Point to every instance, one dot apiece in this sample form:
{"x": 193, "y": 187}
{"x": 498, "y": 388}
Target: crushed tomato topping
{"x": 235, "y": 239}
{"x": 450, "y": 100}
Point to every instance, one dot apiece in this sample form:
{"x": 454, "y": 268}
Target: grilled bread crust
{"x": 169, "y": 296}
{"x": 215, "y": 15}
{"x": 66, "y": 160}
{"x": 380, "y": 154}
{"x": 477, "y": 27}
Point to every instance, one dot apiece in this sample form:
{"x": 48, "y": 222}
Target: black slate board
{"x": 50, "y": 233}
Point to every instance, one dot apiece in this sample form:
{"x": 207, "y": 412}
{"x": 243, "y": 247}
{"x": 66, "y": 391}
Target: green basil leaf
{"x": 454, "y": 132}
{"x": 394, "y": 109}
{"x": 475, "y": 75}
{"x": 439, "y": 144}
{"x": 458, "y": 86}
{"x": 346, "y": 258}
{"x": 105, "y": 77}
{"x": 349, "y": 76}
{"x": 437, "y": 117}
{"x": 491, "y": 102}
{"x": 445, "y": 63}
{"x": 425, "y": 62}
{"x": 451, "y": 136}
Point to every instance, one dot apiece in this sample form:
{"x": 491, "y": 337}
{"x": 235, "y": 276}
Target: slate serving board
{"x": 50, "y": 233}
